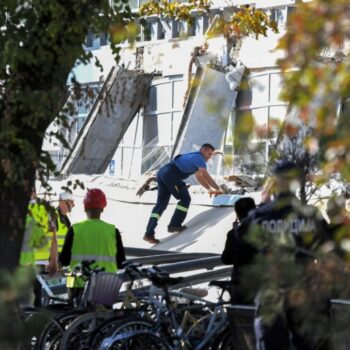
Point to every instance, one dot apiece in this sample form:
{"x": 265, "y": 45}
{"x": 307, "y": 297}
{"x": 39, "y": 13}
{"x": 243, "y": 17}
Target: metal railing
{"x": 170, "y": 262}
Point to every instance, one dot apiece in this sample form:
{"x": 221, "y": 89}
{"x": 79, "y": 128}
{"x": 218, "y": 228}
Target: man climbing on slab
{"x": 170, "y": 182}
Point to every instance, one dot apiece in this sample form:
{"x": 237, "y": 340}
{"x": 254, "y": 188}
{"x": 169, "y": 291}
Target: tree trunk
{"x": 303, "y": 189}
{"x": 14, "y": 201}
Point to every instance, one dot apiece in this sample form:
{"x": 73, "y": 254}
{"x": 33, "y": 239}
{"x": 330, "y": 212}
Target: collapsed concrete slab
{"x": 114, "y": 109}
{"x": 208, "y": 108}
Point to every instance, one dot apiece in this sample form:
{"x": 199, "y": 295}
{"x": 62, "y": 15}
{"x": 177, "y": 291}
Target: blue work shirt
{"x": 190, "y": 162}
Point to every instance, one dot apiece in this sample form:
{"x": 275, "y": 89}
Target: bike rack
{"x": 170, "y": 262}
{"x": 171, "y": 258}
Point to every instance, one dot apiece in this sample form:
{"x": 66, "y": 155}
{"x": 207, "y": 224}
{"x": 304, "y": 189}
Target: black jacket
{"x": 239, "y": 253}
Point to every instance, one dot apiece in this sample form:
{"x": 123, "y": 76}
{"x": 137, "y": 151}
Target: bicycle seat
{"x": 161, "y": 279}
{"x": 196, "y": 292}
{"x": 221, "y": 284}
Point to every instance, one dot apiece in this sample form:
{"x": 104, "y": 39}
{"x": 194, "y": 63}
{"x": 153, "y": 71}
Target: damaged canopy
{"x": 211, "y": 100}
{"x": 107, "y": 122}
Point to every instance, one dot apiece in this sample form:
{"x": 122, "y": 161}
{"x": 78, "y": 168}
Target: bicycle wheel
{"x": 77, "y": 336}
{"x": 138, "y": 340}
{"x": 50, "y": 337}
{"x": 119, "y": 326}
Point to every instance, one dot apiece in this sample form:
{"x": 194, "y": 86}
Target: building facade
{"x": 174, "y": 52}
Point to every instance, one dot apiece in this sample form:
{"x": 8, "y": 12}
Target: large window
{"x": 162, "y": 120}
{"x": 258, "y": 119}
{"x": 94, "y": 41}
{"x": 158, "y": 28}
{"x": 148, "y": 142}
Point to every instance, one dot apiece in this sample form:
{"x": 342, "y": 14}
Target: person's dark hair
{"x": 93, "y": 213}
{"x": 243, "y": 206}
{"x": 208, "y": 145}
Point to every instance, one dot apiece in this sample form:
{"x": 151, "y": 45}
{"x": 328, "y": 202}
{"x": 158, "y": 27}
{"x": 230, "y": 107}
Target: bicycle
{"x": 50, "y": 337}
{"x": 152, "y": 310}
{"x": 169, "y": 333}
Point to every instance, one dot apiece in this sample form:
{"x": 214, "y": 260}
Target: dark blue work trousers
{"x": 170, "y": 182}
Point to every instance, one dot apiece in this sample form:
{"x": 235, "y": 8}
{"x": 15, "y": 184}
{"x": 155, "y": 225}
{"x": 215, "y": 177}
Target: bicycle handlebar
{"x": 84, "y": 269}
{"x": 154, "y": 274}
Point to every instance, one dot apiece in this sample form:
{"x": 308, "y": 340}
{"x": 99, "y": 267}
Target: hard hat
{"x": 95, "y": 199}
{"x": 65, "y": 196}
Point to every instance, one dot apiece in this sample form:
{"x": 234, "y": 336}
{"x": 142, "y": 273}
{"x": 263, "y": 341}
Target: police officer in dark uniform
{"x": 289, "y": 223}
{"x": 170, "y": 182}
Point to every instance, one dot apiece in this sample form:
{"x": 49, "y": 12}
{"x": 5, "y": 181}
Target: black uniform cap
{"x": 286, "y": 167}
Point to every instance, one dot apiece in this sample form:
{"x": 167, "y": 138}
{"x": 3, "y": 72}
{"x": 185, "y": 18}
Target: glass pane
{"x": 118, "y": 161}
{"x": 260, "y": 118}
{"x": 260, "y": 90}
{"x": 132, "y": 136}
{"x": 243, "y": 127}
{"x": 126, "y": 161}
{"x": 152, "y": 99}
{"x": 131, "y": 166}
{"x": 250, "y": 158}
{"x": 177, "y": 116}
{"x": 276, "y": 118}
{"x": 154, "y": 158}
{"x": 150, "y": 131}
{"x": 164, "y": 127}
{"x": 134, "y": 4}
{"x": 244, "y": 97}
{"x": 164, "y": 97}
{"x": 179, "y": 94}
{"x": 276, "y": 81}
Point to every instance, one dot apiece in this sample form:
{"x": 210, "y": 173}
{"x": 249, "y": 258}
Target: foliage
{"x": 306, "y": 288}
{"x": 322, "y": 78}
{"x": 245, "y": 20}
{"x": 292, "y": 148}
{"x": 316, "y": 79}
{"x": 14, "y": 290}
{"x": 176, "y": 10}
{"x": 40, "y": 42}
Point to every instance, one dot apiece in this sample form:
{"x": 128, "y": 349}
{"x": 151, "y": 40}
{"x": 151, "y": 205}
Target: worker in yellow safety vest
{"x": 65, "y": 206}
{"x": 34, "y": 238}
{"x": 43, "y": 218}
{"x": 92, "y": 239}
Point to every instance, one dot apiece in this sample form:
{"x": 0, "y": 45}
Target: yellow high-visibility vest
{"x": 94, "y": 239}
{"x": 34, "y": 236}
{"x": 41, "y": 217}
{"x": 61, "y": 232}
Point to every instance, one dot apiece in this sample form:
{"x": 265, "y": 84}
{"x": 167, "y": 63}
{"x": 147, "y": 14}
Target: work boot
{"x": 173, "y": 229}
{"x": 150, "y": 239}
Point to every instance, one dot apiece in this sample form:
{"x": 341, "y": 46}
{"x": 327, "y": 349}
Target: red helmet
{"x": 95, "y": 199}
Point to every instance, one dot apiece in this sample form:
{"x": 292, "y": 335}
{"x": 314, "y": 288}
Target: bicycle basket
{"x": 104, "y": 288}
